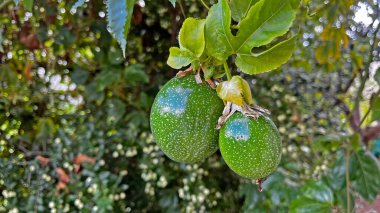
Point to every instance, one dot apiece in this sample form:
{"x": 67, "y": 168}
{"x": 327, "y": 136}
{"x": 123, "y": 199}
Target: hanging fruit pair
{"x": 190, "y": 119}
{"x": 184, "y": 121}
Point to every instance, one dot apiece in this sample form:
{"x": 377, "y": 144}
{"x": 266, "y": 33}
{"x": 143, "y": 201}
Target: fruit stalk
{"x": 227, "y": 70}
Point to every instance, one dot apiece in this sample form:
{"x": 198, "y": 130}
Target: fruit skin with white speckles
{"x": 183, "y": 119}
{"x": 250, "y": 147}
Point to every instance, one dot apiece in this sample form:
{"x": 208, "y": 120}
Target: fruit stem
{"x": 227, "y": 70}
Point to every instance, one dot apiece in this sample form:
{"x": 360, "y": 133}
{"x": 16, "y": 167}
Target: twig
{"x": 366, "y": 70}
{"x": 204, "y": 4}
{"x": 182, "y": 10}
{"x": 370, "y": 107}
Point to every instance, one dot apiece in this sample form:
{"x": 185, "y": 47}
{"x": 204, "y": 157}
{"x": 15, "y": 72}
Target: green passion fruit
{"x": 250, "y": 147}
{"x": 183, "y": 119}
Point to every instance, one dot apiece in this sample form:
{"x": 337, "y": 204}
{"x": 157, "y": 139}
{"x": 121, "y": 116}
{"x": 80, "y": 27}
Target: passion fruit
{"x": 183, "y": 119}
{"x": 250, "y": 147}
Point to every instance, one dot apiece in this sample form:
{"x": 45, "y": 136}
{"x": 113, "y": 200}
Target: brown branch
{"x": 371, "y": 132}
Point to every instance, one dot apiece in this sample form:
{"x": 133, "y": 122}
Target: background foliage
{"x": 74, "y": 113}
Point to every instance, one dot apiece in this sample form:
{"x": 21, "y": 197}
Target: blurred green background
{"x": 74, "y": 114}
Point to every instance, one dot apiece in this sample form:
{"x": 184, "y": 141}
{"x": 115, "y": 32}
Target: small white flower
{"x": 67, "y": 208}
{"x": 14, "y": 210}
{"x": 90, "y": 190}
{"x": 115, "y": 154}
{"x": 116, "y": 197}
{"x": 78, "y": 203}
{"x": 5, "y": 193}
{"x": 57, "y": 140}
{"x": 201, "y": 198}
{"x": 155, "y": 161}
{"x": 206, "y": 191}
{"x": 218, "y": 195}
{"x": 51, "y": 204}
{"x": 119, "y": 147}
{"x": 192, "y": 179}
{"x": 162, "y": 182}
{"x": 181, "y": 193}
{"x": 122, "y": 195}
{"x": 66, "y": 165}
{"x": 88, "y": 180}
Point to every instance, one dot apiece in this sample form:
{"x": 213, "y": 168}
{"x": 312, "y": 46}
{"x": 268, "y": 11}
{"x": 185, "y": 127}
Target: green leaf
{"x": 136, "y": 73}
{"x": 1, "y": 39}
{"x": 318, "y": 191}
{"x": 115, "y": 109}
{"x": 335, "y": 177}
{"x": 365, "y": 175}
{"x": 377, "y": 76}
{"x": 77, "y": 4}
{"x": 341, "y": 196}
{"x": 191, "y": 42}
{"x": 104, "y": 203}
{"x": 355, "y": 142}
{"x": 79, "y": 75}
{"x": 307, "y": 205}
{"x": 208, "y": 72}
{"x": 145, "y": 101}
{"x": 119, "y": 15}
{"x": 191, "y": 36}
{"x": 251, "y": 196}
{"x": 317, "y": 197}
{"x": 92, "y": 92}
{"x": 173, "y": 2}
{"x": 28, "y": 4}
{"x": 115, "y": 56}
{"x": 265, "y": 21}
{"x": 268, "y": 60}
{"x": 65, "y": 37}
{"x": 106, "y": 77}
{"x": 240, "y": 8}
{"x": 235, "y": 90}
{"x": 179, "y": 58}
{"x": 375, "y": 115}
{"x": 327, "y": 143}
{"x": 168, "y": 199}
{"x": 45, "y": 129}
{"x": 217, "y": 31}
